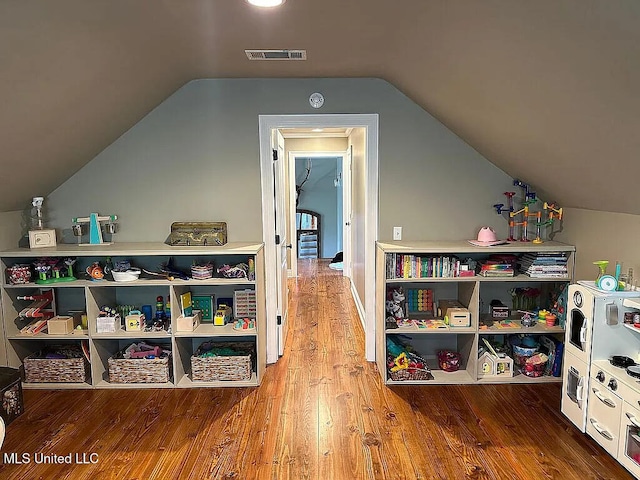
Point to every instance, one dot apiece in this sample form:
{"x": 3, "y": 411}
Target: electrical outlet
{"x": 397, "y": 233}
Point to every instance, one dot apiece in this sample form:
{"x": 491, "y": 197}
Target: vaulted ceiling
{"x": 549, "y": 91}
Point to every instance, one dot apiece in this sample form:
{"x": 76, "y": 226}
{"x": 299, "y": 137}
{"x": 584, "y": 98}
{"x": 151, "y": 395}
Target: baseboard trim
{"x": 358, "y": 302}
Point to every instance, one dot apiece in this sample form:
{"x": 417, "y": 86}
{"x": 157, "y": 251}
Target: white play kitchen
{"x": 601, "y": 377}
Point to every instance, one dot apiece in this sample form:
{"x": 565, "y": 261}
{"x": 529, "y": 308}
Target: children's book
{"x": 431, "y": 323}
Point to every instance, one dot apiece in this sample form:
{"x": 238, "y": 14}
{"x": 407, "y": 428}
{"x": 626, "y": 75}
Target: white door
{"x": 282, "y": 299}
{"x": 346, "y": 213}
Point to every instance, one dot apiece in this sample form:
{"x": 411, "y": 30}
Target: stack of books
{"x": 497, "y": 267}
{"x": 544, "y": 265}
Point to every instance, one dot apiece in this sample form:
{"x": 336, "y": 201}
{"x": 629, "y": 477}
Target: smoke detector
{"x": 276, "y": 54}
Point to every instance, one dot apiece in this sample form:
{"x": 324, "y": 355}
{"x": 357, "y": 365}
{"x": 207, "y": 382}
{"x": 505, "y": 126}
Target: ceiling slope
{"x": 547, "y": 91}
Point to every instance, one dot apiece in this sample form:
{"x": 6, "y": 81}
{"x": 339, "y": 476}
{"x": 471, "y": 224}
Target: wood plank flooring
{"x": 320, "y": 413}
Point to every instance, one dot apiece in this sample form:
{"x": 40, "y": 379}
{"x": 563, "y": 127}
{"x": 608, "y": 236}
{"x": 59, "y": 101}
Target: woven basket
{"x": 139, "y": 370}
{"x": 38, "y": 369}
{"x": 223, "y": 367}
{"x": 410, "y": 373}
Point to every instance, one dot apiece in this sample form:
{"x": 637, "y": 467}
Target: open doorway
{"x": 364, "y": 222}
{"x": 319, "y": 195}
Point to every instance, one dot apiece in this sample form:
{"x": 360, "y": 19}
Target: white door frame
{"x": 347, "y": 213}
{"x": 293, "y": 268}
{"x": 266, "y": 123}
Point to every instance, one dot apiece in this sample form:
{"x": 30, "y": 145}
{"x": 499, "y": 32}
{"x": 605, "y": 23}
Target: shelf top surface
{"x": 133, "y": 248}
{"x": 463, "y": 246}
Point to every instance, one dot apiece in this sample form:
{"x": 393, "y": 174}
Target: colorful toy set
{"x": 244, "y": 303}
{"x": 420, "y": 300}
{"x": 617, "y": 282}
{"x": 54, "y": 270}
{"x": 544, "y": 217}
{"x": 244, "y": 324}
{"x": 35, "y": 316}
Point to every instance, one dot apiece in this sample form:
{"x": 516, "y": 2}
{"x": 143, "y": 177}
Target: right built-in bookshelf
{"x": 488, "y": 312}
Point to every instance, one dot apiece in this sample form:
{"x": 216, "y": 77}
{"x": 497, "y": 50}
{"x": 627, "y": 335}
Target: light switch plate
{"x": 397, "y": 233}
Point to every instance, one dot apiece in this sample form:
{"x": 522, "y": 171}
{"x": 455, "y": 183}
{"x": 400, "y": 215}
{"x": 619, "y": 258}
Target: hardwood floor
{"x": 320, "y": 413}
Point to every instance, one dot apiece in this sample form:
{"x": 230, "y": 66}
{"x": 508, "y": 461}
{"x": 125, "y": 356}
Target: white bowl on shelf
{"x": 127, "y": 276}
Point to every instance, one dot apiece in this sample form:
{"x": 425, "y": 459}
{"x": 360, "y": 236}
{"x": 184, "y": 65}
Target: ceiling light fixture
{"x": 266, "y": 3}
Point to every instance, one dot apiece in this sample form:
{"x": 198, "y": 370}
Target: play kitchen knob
{"x": 613, "y": 385}
{"x": 600, "y": 376}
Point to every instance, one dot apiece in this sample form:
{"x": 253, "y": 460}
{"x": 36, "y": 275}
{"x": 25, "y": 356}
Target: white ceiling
{"x": 547, "y": 90}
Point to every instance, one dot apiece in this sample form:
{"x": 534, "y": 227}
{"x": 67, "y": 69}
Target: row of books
{"x": 400, "y": 265}
{"x": 535, "y": 265}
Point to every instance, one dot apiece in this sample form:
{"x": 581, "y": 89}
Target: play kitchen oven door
{"x": 575, "y": 379}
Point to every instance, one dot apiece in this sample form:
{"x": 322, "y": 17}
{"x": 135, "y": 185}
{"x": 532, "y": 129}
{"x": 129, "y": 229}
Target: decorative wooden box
{"x": 188, "y": 324}
{"x": 208, "y": 234}
{"x": 108, "y": 324}
{"x": 60, "y": 325}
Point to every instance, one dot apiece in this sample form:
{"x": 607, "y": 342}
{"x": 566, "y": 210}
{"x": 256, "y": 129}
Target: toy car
{"x": 223, "y": 315}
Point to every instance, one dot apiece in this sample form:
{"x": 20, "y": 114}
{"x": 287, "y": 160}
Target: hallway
{"x": 320, "y": 413}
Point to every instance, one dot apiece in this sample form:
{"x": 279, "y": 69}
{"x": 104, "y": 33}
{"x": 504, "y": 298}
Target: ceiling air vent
{"x": 276, "y": 54}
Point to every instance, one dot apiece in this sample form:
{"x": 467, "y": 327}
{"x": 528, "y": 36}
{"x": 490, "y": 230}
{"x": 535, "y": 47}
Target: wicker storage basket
{"x": 139, "y": 370}
{"x": 40, "y": 369}
{"x": 224, "y": 365}
{"x": 410, "y": 373}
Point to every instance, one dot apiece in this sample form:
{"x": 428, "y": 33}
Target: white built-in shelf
{"x": 186, "y": 382}
{"x": 73, "y": 335}
{"x": 474, "y": 293}
{"x": 123, "y": 334}
{"x": 90, "y": 295}
{"x": 210, "y": 330}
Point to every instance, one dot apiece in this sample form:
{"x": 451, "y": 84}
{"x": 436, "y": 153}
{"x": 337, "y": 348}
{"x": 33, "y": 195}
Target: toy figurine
{"x": 95, "y": 271}
{"x": 394, "y": 307}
